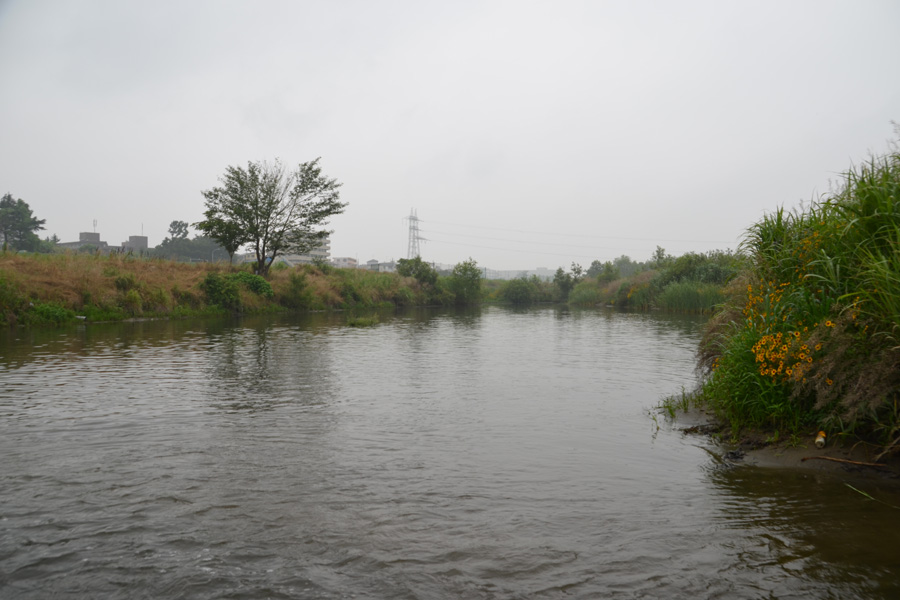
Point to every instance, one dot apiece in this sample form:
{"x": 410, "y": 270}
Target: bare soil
{"x": 839, "y": 455}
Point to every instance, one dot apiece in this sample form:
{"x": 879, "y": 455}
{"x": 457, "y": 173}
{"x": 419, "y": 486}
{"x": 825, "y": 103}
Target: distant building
{"x": 344, "y": 262}
{"x": 317, "y": 254}
{"x": 320, "y": 253}
{"x": 135, "y": 243}
{"x": 381, "y": 267}
{"x": 86, "y": 238}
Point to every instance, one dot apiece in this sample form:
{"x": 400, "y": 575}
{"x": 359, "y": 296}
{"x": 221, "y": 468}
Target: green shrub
{"x": 10, "y": 299}
{"x": 322, "y": 265}
{"x": 690, "y": 296}
{"x": 403, "y": 296}
{"x": 814, "y": 336}
{"x": 103, "y": 313}
{"x": 585, "y": 293}
{"x": 132, "y": 303}
{"x": 351, "y": 294}
{"x": 185, "y": 298}
{"x": 519, "y": 291}
{"x": 740, "y": 394}
{"x": 298, "y": 294}
{"x": 222, "y": 291}
{"x": 159, "y": 300}
{"x": 424, "y": 273}
{"x": 125, "y": 282}
{"x": 360, "y": 321}
{"x": 47, "y": 313}
{"x": 254, "y": 283}
{"x": 465, "y": 283}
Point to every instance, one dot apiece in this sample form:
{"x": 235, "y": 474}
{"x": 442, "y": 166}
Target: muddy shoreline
{"x": 757, "y": 449}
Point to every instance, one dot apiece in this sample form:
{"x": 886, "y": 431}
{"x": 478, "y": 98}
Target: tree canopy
{"x": 18, "y": 226}
{"x": 419, "y": 269}
{"x": 178, "y": 246}
{"x": 465, "y": 282}
{"x": 178, "y": 230}
{"x": 274, "y": 210}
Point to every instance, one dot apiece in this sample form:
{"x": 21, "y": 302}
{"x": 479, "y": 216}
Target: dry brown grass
{"x": 72, "y": 280}
{"x": 855, "y": 373}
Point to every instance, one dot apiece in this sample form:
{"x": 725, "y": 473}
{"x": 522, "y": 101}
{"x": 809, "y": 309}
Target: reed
{"x": 813, "y": 338}
{"x": 690, "y": 297}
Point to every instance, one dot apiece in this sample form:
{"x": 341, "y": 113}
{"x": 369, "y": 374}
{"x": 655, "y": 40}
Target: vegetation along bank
{"x": 55, "y": 289}
{"x": 809, "y": 335}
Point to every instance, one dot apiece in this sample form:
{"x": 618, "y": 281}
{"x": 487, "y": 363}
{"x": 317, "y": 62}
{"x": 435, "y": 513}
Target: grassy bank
{"x": 54, "y": 289}
{"x": 810, "y": 334}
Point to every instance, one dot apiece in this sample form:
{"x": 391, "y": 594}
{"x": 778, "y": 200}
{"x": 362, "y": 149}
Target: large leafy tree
{"x": 274, "y": 210}
{"x": 465, "y": 282}
{"x": 18, "y": 225}
{"x": 565, "y": 282}
{"x": 418, "y": 268}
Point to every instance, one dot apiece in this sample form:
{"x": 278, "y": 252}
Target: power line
{"x": 567, "y": 254}
{"x": 582, "y": 235}
{"x": 530, "y": 242}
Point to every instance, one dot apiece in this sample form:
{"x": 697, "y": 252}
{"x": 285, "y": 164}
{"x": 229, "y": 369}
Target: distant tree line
{"x": 691, "y": 282}
{"x": 178, "y": 246}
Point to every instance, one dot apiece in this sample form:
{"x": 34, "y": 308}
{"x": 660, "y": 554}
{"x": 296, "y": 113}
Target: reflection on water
{"x": 813, "y": 525}
{"x": 491, "y": 453}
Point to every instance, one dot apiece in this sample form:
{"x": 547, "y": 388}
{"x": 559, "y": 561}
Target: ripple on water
{"x": 500, "y": 455}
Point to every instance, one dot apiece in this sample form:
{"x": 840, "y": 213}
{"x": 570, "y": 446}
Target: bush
{"x": 465, "y": 283}
{"x": 813, "y": 334}
{"x": 298, "y": 295}
{"x": 519, "y": 291}
{"x": 125, "y": 282}
{"x": 132, "y": 303}
{"x": 48, "y": 313}
{"x": 222, "y": 291}
{"x": 690, "y": 296}
{"x": 11, "y": 301}
{"x": 586, "y": 293}
{"x": 254, "y": 283}
{"x": 424, "y": 273}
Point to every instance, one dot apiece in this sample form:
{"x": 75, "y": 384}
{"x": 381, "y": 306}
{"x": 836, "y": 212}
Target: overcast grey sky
{"x": 524, "y": 133}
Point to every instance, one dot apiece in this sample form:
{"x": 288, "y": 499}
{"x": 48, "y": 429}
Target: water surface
{"x": 476, "y": 454}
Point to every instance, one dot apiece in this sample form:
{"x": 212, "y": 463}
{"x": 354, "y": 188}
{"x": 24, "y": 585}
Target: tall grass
{"x": 812, "y": 338}
{"x": 690, "y": 297}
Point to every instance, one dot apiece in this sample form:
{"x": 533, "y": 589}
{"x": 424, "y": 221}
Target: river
{"x": 489, "y": 453}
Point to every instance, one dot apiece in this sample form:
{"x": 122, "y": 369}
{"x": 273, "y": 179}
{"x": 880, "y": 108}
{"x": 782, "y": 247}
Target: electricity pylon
{"x": 412, "y": 249}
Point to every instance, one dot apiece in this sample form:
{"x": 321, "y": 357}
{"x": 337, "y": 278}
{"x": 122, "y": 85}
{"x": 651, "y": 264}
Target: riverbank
{"x": 840, "y": 454}
{"x": 808, "y": 337}
{"x": 55, "y": 289}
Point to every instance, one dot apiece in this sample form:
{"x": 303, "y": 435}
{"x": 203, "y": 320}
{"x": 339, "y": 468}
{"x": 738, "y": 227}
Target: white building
{"x": 381, "y": 267}
{"x": 344, "y": 262}
{"x": 319, "y": 254}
